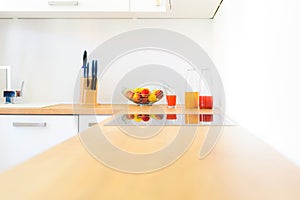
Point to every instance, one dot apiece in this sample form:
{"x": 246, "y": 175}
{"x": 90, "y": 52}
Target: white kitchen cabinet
{"x": 148, "y": 5}
{"x": 203, "y": 9}
{"x": 64, "y": 5}
{"x": 199, "y": 9}
{"x": 84, "y": 5}
{"x": 86, "y": 121}
{"x": 64, "y": 9}
{"x": 24, "y": 136}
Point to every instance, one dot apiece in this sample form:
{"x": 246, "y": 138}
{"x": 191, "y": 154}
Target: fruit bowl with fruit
{"x": 143, "y": 96}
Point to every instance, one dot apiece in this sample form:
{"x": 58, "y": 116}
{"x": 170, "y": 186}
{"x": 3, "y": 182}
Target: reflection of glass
{"x": 171, "y": 116}
{"x": 191, "y": 119}
{"x": 192, "y": 89}
{"x": 206, "y": 117}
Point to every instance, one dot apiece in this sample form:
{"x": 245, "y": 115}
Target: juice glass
{"x": 191, "y": 99}
{"x": 205, "y": 102}
{"x": 171, "y": 100}
{"x": 192, "y": 89}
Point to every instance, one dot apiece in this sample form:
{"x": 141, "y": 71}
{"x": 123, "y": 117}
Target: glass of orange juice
{"x": 192, "y": 89}
{"x": 170, "y": 96}
{"x": 171, "y": 100}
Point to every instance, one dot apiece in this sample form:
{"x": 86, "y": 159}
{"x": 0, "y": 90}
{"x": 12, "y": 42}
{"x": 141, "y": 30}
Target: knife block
{"x": 87, "y": 95}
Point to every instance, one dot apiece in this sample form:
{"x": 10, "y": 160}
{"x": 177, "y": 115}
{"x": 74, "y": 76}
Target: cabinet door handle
{"x": 63, "y": 3}
{"x": 29, "y": 124}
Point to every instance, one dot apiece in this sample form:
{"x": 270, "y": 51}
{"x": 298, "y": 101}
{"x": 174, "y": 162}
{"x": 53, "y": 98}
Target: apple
{"x": 136, "y": 97}
{"x": 152, "y": 98}
{"x": 159, "y": 116}
{"x": 145, "y": 118}
{"x": 158, "y": 94}
{"x": 145, "y": 92}
{"x": 144, "y": 100}
{"x": 129, "y": 94}
{"x": 130, "y": 116}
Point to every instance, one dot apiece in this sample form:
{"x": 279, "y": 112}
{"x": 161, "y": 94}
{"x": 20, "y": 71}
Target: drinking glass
{"x": 192, "y": 89}
{"x": 205, "y": 98}
{"x": 171, "y": 100}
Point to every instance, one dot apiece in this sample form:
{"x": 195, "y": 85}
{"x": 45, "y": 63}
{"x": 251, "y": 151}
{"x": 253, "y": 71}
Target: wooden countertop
{"x": 103, "y": 109}
{"x": 61, "y": 109}
{"x": 239, "y": 167}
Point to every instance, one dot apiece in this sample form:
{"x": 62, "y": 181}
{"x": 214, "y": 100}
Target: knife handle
{"x": 84, "y": 71}
{"x": 87, "y": 70}
{"x": 87, "y": 75}
{"x": 96, "y": 67}
{"x": 95, "y": 75}
{"x": 95, "y": 83}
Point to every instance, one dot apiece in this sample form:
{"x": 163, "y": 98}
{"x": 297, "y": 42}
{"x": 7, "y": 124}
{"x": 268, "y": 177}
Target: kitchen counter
{"x": 239, "y": 167}
{"x": 103, "y": 109}
{"x": 61, "y": 109}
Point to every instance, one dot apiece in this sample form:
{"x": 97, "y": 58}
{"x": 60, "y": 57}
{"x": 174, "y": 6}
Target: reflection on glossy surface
{"x": 142, "y": 117}
{"x": 206, "y": 117}
{"x": 171, "y": 116}
{"x": 191, "y": 119}
{"x": 141, "y": 120}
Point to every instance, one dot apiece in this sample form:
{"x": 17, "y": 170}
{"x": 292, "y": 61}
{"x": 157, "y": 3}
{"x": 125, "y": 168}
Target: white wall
{"x": 47, "y": 54}
{"x": 256, "y": 46}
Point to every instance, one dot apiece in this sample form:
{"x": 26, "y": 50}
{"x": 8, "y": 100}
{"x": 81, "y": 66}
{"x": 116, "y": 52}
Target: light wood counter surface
{"x": 60, "y": 109}
{"x": 103, "y": 109}
{"x": 240, "y": 167}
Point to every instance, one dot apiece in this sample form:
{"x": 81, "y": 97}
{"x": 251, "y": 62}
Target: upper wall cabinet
{"x": 65, "y": 5}
{"x": 108, "y": 8}
{"x": 64, "y": 8}
{"x": 200, "y": 9}
{"x": 148, "y": 5}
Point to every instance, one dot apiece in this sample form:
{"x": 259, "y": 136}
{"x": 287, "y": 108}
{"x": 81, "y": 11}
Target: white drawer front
{"x": 86, "y": 121}
{"x": 24, "y": 136}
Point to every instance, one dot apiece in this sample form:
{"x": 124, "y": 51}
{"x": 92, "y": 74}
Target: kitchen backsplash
{"x": 47, "y": 54}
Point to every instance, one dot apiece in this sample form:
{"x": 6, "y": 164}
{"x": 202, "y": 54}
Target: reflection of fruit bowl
{"x": 143, "y": 96}
{"x": 142, "y": 117}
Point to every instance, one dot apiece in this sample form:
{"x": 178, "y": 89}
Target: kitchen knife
{"x": 87, "y": 75}
{"x": 84, "y": 58}
{"x": 84, "y": 63}
{"x": 93, "y": 74}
